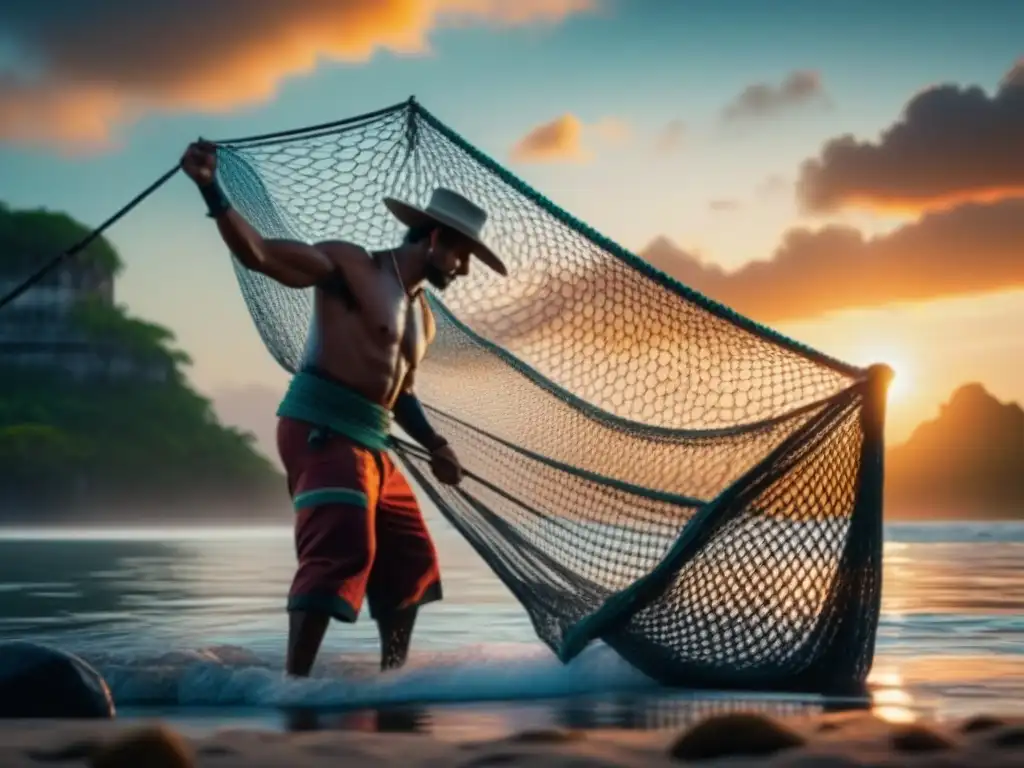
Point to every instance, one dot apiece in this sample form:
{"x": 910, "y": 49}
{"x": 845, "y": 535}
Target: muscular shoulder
{"x": 353, "y": 267}
{"x": 348, "y": 257}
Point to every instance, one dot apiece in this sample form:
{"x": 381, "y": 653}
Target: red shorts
{"x": 359, "y": 531}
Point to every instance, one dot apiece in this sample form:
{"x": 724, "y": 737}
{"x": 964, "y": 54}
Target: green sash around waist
{"x": 318, "y": 401}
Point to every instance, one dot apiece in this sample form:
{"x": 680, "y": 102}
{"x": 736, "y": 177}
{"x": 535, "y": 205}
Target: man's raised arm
{"x": 289, "y": 262}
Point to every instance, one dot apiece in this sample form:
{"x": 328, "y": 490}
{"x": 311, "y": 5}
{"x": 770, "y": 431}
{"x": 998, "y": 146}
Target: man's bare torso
{"x": 373, "y": 344}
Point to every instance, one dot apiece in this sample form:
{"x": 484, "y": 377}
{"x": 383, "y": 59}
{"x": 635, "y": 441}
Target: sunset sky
{"x": 850, "y": 173}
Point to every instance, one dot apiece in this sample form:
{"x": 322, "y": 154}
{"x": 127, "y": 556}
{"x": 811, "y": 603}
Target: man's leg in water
{"x": 334, "y": 486}
{"x": 306, "y": 630}
{"x": 395, "y": 630}
{"x": 405, "y": 572}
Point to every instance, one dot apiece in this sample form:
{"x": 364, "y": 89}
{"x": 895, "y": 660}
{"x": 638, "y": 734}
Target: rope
{"x": 292, "y": 133}
{"x": 85, "y": 241}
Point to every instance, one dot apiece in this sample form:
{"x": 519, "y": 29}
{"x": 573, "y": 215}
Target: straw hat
{"x": 452, "y": 210}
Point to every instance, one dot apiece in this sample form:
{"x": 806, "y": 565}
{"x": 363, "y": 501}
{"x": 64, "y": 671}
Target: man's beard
{"x": 437, "y": 278}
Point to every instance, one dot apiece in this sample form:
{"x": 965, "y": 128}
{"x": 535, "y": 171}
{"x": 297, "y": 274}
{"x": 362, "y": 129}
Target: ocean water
{"x": 188, "y": 624}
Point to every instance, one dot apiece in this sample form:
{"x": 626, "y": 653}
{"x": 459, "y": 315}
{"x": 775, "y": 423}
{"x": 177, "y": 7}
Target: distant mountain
{"x": 967, "y": 463}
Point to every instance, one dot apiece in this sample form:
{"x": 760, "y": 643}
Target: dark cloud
{"x": 951, "y": 145}
{"x": 968, "y": 250}
{"x": 1015, "y": 77}
{"x": 91, "y": 65}
{"x": 767, "y": 100}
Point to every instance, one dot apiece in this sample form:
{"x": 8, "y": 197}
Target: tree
{"x": 129, "y": 441}
{"x": 30, "y": 237}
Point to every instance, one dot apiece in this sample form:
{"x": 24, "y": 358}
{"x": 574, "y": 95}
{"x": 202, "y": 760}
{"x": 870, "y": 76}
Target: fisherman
{"x": 359, "y": 531}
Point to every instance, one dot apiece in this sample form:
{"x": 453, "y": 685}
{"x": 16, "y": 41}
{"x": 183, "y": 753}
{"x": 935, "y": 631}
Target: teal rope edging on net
{"x": 328, "y": 127}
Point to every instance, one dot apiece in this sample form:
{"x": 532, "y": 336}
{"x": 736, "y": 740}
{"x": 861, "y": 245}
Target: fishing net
{"x": 645, "y": 467}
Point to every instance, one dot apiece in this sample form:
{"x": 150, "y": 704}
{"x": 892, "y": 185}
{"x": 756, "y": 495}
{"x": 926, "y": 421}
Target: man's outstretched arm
{"x": 291, "y": 263}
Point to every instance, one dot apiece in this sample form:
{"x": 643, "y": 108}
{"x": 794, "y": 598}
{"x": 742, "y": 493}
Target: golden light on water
{"x": 893, "y": 705}
{"x": 890, "y": 700}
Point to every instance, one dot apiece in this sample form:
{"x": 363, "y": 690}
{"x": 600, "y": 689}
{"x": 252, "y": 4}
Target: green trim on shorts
{"x": 319, "y": 496}
{"x": 334, "y": 606}
{"x": 431, "y": 594}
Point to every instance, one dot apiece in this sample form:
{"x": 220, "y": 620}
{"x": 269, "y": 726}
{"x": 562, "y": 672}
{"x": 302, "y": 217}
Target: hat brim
{"x": 412, "y": 216}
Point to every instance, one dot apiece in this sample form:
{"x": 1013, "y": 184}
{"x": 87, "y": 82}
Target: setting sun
{"x": 902, "y": 384}
{"x": 897, "y": 359}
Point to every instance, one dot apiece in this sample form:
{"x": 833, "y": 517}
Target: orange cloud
{"x": 557, "y": 141}
{"x": 108, "y": 64}
{"x": 561, "y": 140}
{"x": 951, "y": 145}
{"x": 512, "y": 11}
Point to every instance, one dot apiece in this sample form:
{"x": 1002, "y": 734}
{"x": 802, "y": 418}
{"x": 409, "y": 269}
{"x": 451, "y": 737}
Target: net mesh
{"x": 645, "y": 467}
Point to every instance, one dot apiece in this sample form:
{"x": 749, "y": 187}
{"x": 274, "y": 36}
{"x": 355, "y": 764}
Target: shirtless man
{"x": 359, "y": 531}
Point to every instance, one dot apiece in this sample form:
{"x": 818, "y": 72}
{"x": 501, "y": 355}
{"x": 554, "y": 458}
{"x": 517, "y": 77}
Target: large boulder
{"x": 41, "y": 682}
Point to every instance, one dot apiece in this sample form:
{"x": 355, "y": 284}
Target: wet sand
{"x": 842, "y": 740}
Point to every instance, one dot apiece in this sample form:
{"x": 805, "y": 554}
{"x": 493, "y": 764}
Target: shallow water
{"x": 190, "y": 624}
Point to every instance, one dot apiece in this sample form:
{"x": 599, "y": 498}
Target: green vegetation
{"x": 127, "y": 441}
{"x": 29, "y": 237}
{"x": 144, "y": 340}
{"x": 69, "y": 443}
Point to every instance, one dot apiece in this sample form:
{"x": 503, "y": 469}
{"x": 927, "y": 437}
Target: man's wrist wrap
{"x": 216, "y": 202}
{"x": 411, "y": 417}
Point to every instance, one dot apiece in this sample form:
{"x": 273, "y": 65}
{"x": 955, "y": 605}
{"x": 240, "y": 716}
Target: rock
{"x": 154, "y": 746}
{"x": 980, "y": 723}
{"x": 76, "y": 750}
{"x": 918, "y": 738}
{"x": 41, "y": 682}
{"x": 546, "y": 736}
{"x": 737, "y": 734}
{"x": 1009, "y": 737}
